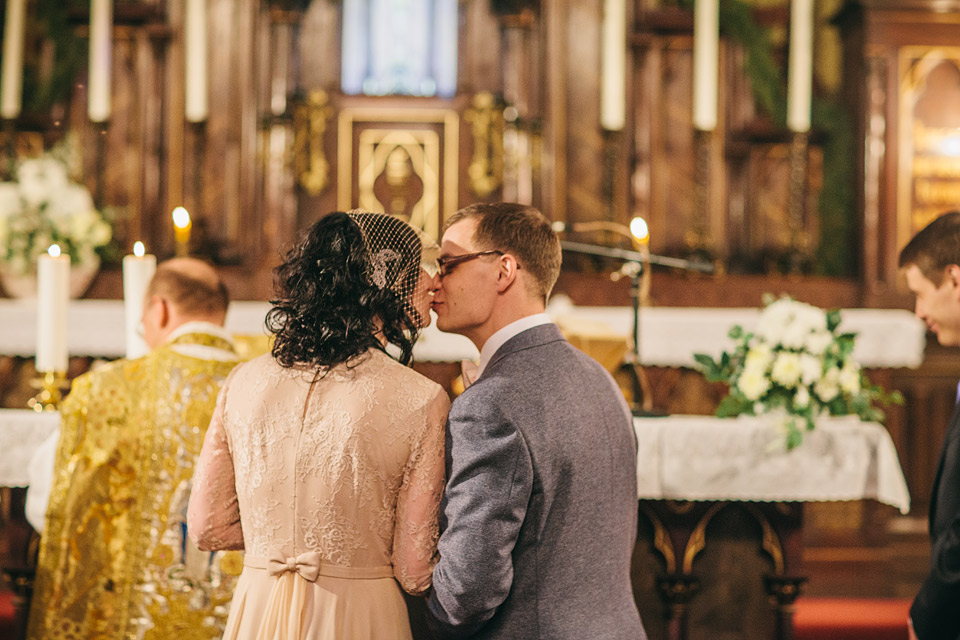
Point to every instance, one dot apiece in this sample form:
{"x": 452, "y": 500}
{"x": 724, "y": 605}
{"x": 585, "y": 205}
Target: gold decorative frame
{"x": 426, "y": 151}
{"x": 309, "y": 127}
{"x": 915, "y": 64}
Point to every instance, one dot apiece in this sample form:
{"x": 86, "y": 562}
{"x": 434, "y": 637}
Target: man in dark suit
{"x": 931, "y": 264}
{"x": 540, "y": 508}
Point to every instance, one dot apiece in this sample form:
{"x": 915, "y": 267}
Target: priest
{"x": 115, "y": 561}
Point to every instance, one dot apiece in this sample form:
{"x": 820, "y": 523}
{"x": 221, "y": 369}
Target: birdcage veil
{"x": 396, "y": 252}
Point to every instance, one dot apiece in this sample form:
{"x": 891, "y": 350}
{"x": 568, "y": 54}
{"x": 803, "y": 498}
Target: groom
{"x": 540, "y": 507}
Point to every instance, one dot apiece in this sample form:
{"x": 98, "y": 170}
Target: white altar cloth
{"x": 678, "y": 458}
{"x": 744, "y": 459}
{"x": 669, "y": 336}
{"x": 21, "y": 432}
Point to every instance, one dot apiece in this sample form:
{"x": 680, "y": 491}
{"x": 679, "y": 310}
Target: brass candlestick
{"x": 699, "y": 242}
{"x": 798, "y": 258}
{"x": 50, "y": 383}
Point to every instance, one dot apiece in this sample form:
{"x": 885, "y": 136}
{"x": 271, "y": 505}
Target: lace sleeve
{"x": 416, "y": 532}
{"x": 213, "y": 517}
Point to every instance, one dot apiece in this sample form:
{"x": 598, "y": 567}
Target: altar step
{"x": 851, "y": 618}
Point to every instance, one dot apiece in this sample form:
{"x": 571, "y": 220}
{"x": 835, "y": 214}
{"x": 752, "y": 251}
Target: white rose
{"x": 818, "y": 341}
{"x": 786, "y": 370}
{"x": 10, "y": 204}
{"x": 40, "y": 177}
{"x": 81, "y": 225}
{"x": 759, "y": 356}
{"x": 811, "y": 368}
{"x": 71, "y": 200}
{"x": 753, "y": 383}
{"x": 101, "y": 233}
{"x": 828, "y": 387}
{"x": 850, "y": 378}
{"x": 802, "y": 398}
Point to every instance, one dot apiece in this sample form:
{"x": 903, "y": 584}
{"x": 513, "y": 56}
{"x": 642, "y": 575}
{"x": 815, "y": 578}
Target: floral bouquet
{"x": 797, "y": 363}
{"x": 45, "y": 206}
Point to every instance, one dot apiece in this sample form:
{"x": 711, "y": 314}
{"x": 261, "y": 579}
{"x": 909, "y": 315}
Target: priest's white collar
{"x": 199, "y": 326}
{"x": 498, "y": 339}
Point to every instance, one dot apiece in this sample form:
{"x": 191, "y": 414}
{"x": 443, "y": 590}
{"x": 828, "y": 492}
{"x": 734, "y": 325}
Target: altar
{"x": 719, "y": 541}
{"x": 720, "y": 512}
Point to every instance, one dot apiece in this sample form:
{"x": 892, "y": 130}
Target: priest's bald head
{"x": 182, "y": 290}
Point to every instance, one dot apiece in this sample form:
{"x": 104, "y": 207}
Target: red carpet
{"x": 7, "y": 626}
{"x": 851, "y": 619}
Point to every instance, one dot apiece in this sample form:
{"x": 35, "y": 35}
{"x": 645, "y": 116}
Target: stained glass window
{"x": 406, "y": 47}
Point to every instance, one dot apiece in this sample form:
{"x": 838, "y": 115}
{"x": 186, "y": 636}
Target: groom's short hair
{"x": 934, "y": 248}
{"x": 521, "y": 231}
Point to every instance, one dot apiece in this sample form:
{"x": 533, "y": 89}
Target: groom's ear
{"x": 508, "y": 272}
{"x": 951, "y": 275}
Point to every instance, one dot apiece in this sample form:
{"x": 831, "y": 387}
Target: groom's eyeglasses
{"x": 447, "y": 264}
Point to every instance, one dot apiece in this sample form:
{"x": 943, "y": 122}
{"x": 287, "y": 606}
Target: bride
{"x": 324, "y": 460}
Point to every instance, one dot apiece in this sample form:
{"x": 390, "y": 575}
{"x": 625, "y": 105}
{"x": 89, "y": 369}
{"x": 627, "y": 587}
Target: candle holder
{"x": 698, "y": 237}
{"x": 50, "y": 384}
{"x": 798, "y": 259}
{"x": 101, "y": 145}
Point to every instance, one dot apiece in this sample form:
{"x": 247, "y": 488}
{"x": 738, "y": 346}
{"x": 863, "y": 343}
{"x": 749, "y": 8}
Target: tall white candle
{"x": 53, "y": 286}
{"x": 706, "y": 43}
{"x": 613, "y": 55}
{"x": 11, "y": 74}
{"x": 138, "y": 270}
{"x": 101, "y": 42}
{"x": 800, "y": 65}
{"x": 195, "y": 60}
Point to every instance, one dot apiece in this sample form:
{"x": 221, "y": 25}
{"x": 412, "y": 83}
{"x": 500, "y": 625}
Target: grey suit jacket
{"x": 540, "y": 510}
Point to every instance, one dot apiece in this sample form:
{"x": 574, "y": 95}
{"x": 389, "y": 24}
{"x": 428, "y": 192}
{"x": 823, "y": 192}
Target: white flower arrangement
{"x": 45, "y": 206}
{"x": 797, "y": 363}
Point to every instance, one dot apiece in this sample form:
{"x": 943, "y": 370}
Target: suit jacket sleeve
{"x": 934, "y": 610}
{"x": 488, "y": 490}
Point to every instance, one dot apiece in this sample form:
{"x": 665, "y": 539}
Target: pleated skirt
{"x": 289, "y": 607}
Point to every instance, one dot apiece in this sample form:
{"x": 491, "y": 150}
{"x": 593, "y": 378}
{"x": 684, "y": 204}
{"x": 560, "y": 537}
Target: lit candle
{"x": 800, "y": 65}
{"x": 195, "y": 60}
{"x": 11, "y": 75}
{"x": 138, "y": 270}
{"x": 613, "y": 56}
{"x": 639, "y": 230}
{"x": 181, "y": 230}
{"x": 101, "y": 40}
{"x": 706, "y": 43}
{"x": 53, "y": 286}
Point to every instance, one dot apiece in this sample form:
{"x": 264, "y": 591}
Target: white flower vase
{"x": 24, "y": 285}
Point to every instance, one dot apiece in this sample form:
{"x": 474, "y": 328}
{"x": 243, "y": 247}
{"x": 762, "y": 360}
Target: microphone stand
{"x": 633, "y": 267}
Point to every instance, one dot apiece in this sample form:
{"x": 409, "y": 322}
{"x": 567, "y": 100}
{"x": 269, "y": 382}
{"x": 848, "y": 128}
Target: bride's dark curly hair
{"x": 326, "y": 304}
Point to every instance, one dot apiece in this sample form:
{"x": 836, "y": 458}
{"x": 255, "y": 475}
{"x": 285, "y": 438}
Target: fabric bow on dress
{"x": 306, "y": 564}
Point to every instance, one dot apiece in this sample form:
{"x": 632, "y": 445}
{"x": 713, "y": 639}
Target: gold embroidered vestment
{"x": 115, "y": 561}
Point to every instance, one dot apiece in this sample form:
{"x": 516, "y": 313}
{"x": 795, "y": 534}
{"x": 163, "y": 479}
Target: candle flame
{"x": 181, "y": 218}
{"x": 138, "y": 249}
{"x": 639, "y": 229}
{"x": 54, "y": 250}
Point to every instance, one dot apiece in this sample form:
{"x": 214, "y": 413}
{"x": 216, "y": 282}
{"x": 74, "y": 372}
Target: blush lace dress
{"x": 332, "y": 490}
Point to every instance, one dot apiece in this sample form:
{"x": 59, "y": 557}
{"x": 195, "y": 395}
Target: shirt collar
{"x": 499, "y": 338}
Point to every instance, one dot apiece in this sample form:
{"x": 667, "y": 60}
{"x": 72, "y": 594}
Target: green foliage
{"x": 52, "y": 21}
{"x": 832, "y": 127}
